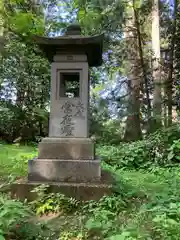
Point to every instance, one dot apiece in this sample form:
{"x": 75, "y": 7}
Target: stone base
{"x": 67, "y": 148}
{"x": 80, "y": 191}
{"x": 51, "y": 170}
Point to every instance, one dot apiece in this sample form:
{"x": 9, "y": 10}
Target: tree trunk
{"x": 156, "y": 72}
{"x": 1, "y": 19}
{"x": 1, "y": 27}
{"x": 169, "y": 83}
{"x": 144, "y": 71}
{"x": 133, "y": 128}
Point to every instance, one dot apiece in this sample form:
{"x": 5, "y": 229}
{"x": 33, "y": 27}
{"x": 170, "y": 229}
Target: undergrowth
{"x": 14, "y": 159}
{"x": 145, "y": 203}
{"x": 159, "y": 149}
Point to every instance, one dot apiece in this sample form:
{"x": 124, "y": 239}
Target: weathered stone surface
{"x": 66, "y": 148}
{"x": 85, "y": 192}
{"x": 22, "y": 189}
{"x": 51, "y": 170}
{"x": 69, "y": 116}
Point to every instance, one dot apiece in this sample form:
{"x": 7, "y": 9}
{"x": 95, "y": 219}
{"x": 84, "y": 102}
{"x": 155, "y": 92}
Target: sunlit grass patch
{"x": 14, "y": 159}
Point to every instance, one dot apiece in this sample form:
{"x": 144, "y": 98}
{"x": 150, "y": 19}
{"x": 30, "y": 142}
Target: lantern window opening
{"x": 69, "y": 84}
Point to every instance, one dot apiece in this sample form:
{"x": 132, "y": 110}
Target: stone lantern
{"x": 68, "y": 154}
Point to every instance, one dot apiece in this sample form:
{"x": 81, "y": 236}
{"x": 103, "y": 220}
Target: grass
{"x": 151, "y": 209}
{"x": 14, "y": 160}
{"x": 151, "y": 183}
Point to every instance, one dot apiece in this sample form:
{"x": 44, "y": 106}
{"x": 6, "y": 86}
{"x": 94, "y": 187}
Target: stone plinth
{"x": 81, "y": 191}
{"x": 51, "y": 170}
{"x": 65, "y": 160}
{"x": 66, "y": 149}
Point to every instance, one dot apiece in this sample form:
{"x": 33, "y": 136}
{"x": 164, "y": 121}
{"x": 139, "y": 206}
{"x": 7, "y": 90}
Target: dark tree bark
{"x": 133, "y": 127}
{"x": 144, "y": 71}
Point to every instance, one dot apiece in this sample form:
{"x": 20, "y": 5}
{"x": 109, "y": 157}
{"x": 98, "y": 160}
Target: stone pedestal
{"x": 51, "y": 170}
{"x": 65, "y": 160}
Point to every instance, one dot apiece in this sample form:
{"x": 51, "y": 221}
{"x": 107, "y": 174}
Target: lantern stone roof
{"x": 72, "y": 42}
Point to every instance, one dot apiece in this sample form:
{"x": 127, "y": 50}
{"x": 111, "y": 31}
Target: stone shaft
{"x": 69, "y": 115}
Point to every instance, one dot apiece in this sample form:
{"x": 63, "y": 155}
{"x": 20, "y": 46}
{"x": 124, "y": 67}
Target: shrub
{"x": 161, "y": 148}
{"x": 12, "y": 215}
{"x": 174, "y": 151}
{"x": 52, "y": 202}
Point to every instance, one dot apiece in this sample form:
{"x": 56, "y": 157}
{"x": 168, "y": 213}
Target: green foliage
{"x": 24, "y": 18}
{"x": 16, "y": 221}
{"x": 108, "y": 132}
{"x": 101, "y": 222}
{"x": 112, "y": 132}
{"x": 160, "y": 148}
{"x": 150, "y": 215}
{"x": 24, "y": 93}
{"x": 174, "y": 151}
{"x": 113, "y": 204}
{"x": 52, "y": 202}
{"x": 14, "y": 160}
{"x": 12, "y": 213}
{"x": 145, "y": 206}
{"x": 165, "y": 214}
{"x": 65, "y": 235}
{"x": 102, "y": 215}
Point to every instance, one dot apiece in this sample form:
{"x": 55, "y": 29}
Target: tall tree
{"x": 169, "y": 82}
{"x": 1, "y": 19}
{"x": 24, "y": 74}
{"x": 177, "y": 58}
{"x": 133, "y": 128}
{"x": 156, "y": 71}
{"x": 139, "y": 26}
